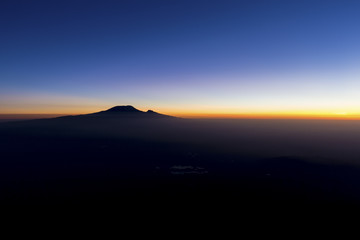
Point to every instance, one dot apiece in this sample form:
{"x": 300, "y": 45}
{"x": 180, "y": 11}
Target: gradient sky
{"x": 187, "y": 58}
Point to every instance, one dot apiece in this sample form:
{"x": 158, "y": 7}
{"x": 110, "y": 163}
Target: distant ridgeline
{"x": 130, "y": 110}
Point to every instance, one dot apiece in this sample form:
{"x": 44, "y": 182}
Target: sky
{"x": 257, "y": 58}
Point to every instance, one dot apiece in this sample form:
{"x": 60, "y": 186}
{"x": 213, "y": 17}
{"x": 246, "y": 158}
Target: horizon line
{"x": 5, "y": 116}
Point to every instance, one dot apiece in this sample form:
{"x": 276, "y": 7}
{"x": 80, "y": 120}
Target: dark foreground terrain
{"x": 132, "y": 159}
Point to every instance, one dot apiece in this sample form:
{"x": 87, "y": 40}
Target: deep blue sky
{"x": 254, "y": 56}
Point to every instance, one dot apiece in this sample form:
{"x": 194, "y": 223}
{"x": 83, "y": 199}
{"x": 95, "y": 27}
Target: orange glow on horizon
{"x": 271, "y": 116}
{"x": 274, "y": 115}
{"x": 280, "y": 114}
{"x": 190, "y": 113}
{"x": 204, "y": 116}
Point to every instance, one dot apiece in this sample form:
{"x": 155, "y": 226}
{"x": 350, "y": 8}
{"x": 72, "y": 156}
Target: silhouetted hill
{"x": 122, "y": 109}
{"x": 117, "y": 113}
{"x": 127, "y": 111}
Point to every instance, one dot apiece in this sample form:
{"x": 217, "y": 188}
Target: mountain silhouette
{"x": 122, "y": 109}
{"x": 128, "y": 110}
{"x": 123, "y": 113}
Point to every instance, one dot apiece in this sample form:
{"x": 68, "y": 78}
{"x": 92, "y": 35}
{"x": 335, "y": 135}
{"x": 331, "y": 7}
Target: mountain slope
{"x": 127, "y": 110}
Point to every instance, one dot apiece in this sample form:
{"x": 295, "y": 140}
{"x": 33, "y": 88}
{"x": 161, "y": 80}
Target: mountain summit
{"x": 128, "y": 110}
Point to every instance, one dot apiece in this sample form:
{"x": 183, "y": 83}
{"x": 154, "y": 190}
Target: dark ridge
{"x": 151, "y": 111}
{"x": 127, "y": 109}
{"x": 117, "y": 112}
{"x": 131, "y": 111}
